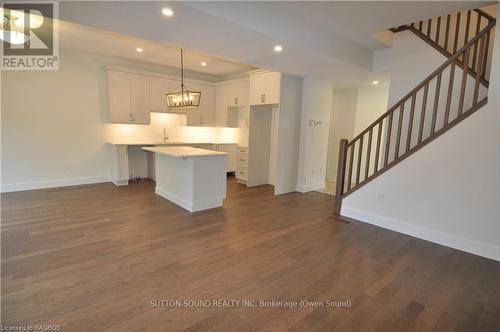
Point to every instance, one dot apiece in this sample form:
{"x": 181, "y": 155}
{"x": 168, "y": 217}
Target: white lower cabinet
{"x": 242, "y": 164}
{"x": 230, "y": 149}
{"x": 119, "y": 164}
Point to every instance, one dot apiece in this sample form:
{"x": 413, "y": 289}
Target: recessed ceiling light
{"x": 375, "y": 82}
{"x": 139, "y": 50}
{"x": 203, "y": 63}
{"x": 278, "y": 48}
{"x": 167, "y": 12}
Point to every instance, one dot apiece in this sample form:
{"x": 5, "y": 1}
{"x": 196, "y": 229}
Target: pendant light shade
{"x": 182, "y": 96}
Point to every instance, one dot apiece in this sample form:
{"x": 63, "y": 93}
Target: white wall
{"x": 353, "y": 110}
{"x": 273, "y": 151}
{"x": 53, "y": 124}
{"x": 372, "y": 103}
{"x": 288, "y": 138}
{"x": 342, "y": 122}
{"x": 449, "y": 191}
{"x": 316, "y": 106}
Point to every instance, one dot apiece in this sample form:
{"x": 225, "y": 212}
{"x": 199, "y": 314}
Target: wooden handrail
{"x": 484, "y": 14}
{"x": 453, "y": 123}
{"x": 401, "y": 142}
{"x": 425, "y": 81}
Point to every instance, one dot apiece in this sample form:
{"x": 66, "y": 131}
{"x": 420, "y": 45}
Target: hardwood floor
{"x": 92, "y": 258}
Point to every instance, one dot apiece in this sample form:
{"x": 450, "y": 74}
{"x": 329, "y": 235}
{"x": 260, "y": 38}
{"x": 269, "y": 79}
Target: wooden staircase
{"x": 446, "y": 97}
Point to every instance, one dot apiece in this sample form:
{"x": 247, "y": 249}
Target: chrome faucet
{"x": 165, "y": 135}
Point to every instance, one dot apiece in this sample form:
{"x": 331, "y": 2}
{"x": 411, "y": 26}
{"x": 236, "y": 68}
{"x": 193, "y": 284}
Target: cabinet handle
{"x": 236, "y": 101}
{"x": 262, "y": 98}
{"x": 242, "y": 159}
{"x": 131, "y": 117}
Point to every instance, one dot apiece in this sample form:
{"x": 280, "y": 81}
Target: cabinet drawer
{"x": 242, "y": 150}
{"x": 242, "y": 160}
{"x": 241, "y": 173}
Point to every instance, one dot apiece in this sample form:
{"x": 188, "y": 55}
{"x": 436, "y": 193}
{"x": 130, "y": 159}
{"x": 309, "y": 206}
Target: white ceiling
{"x": 357, "y": 20}
{"x": 330, "y": 40}
{"x": 87, "y": 39}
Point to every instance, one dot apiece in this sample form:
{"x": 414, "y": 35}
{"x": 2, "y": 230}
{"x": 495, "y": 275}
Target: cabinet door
{"x": 273, "y": 84}
{"x": 158, "y": 87}
{"x": 204, "y": 114}
{"x": 240, "y": 94}
{"x": 257, "y": 90}
{"x": 232, "y": 117}
{"x": 194, "y": 114}
{"x": 221, "y": 98}
{"x": 119, "y": 164}
{"x": 119, "y": 110}
{"x": 231, "y": 151}
{"x": 139, "y": 99}
{"x": 208, "y": 108}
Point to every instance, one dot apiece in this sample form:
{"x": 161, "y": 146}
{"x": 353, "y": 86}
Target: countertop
{"x": 184, "y": 151}
{"x": 124, "y": 142}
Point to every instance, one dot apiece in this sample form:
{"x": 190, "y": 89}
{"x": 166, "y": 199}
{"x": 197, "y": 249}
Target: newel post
{"x": 340, "y": 175}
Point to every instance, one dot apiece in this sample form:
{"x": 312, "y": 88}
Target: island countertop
{"x": 184, "y": 151}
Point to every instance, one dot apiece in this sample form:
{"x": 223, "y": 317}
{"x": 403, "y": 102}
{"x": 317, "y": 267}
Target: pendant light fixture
{"x": 182, "y": 96}
{"x": 10, "y": 32}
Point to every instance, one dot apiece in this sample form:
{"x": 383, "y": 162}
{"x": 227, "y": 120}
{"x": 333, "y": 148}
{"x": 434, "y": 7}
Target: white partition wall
{"x": 288, "y": 138}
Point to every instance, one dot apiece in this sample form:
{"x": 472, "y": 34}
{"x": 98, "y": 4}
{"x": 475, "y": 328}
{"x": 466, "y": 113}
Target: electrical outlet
{"x": 381, "y": 197}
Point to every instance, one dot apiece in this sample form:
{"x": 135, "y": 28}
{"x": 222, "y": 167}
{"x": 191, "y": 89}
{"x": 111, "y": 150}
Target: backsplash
{"x": 175, "y": 126}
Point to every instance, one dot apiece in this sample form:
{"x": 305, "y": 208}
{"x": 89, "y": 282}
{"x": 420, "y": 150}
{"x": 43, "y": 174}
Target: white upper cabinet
{"x": 139, "y": 99}
{"x": 128, "y": 98}
{"x": 204, "y": 114}
{"x": 273, "y": 88}
{"x": 118, "y": 97}
{"x": 229, "y": 96}
{"x": 158, "y": 87}
{"x": 236, "y": 94}
{"x": 265, "y": 88}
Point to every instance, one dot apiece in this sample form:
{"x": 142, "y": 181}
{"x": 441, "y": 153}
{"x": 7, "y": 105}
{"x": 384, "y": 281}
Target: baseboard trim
{"x": 174, "y": 199}
{"x": 452, "y": 241}
{"x": 311, "y": 187}
{"x": 44, "y": 184}
{"x": 191, "y": 207}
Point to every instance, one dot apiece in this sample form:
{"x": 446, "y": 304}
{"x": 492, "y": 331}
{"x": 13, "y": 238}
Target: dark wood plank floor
{"x": 92, "y": 258}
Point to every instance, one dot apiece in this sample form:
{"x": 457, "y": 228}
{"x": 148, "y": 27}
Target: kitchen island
{"x": 192, "y": 178}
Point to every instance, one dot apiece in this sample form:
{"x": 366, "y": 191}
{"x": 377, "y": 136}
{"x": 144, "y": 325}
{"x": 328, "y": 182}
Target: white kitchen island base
{"x": 192, "y": 178}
